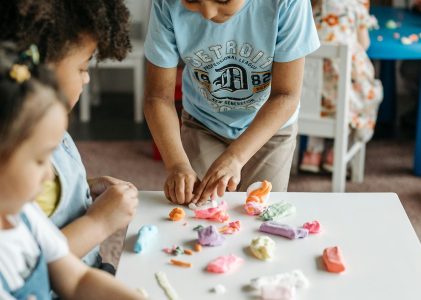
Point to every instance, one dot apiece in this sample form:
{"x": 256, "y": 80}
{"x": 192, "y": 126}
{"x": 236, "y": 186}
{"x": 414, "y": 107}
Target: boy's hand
{"x": 180, "y": 184}
{"x": 98, "y": 185}
{"x": 115, "y": 207}
{"x": 223, "y": 174}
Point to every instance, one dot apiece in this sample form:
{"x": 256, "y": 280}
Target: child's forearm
{"x": 273, "y": 114}
{"x": 164, "y": 124}
{"x": 83, "y": 234}
{"x": 100, "y": 285}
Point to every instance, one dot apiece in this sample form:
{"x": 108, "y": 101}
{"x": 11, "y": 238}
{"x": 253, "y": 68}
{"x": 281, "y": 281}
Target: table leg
{"x": 387, "y": 111}
{"x": 417, "y": 154}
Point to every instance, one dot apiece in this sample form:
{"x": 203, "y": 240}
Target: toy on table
{"x": 180, "y": 263}
{"x": 283, "y": 230}
{"x": 263, "y": 247}
{"x": 144, "y": 237}
{"x": 163, "y": 282}
{"x": 312, "y": 227}
{"x": 280, "y": 286}
{"x": 218, "y": 213}
{"x": 278, "y": 211}
{"x": 230, "y": 228}
{"x": 224, "y": 264}
{"x": 257, "y": 195}
{"x": 177, "y": 214}
{"x": 219, "y": 289}
{"x": 209, "y": 236}
{"x": 333, "y": 260}
{"x": 392, "y": 24}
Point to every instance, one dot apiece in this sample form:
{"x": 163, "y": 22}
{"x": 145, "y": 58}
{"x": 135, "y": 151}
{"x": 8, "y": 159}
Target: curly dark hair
{"x": 24, "y": 102}
{"x": 56, "y": 26}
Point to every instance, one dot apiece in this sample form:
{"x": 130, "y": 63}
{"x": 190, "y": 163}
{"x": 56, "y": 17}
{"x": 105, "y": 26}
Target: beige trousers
{"x": 272, "y": 162}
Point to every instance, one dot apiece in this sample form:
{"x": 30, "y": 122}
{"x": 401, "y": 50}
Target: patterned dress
{"x": 338, "y": 21}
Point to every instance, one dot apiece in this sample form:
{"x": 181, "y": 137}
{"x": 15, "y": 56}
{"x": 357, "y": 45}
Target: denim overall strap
{"x": 37, "y": 284}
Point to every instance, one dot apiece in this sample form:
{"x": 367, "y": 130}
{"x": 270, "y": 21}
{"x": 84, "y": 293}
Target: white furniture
{"x": 380, "y": 248}
{"x": 311, "y": 123}
{"x": 135, "y": 60}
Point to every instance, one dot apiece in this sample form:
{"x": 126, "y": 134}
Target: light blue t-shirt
{"x": 227, "y": 77}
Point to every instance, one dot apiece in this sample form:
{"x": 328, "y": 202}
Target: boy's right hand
{"x": 115, "y": 207}
{"x": 180, "y": 184}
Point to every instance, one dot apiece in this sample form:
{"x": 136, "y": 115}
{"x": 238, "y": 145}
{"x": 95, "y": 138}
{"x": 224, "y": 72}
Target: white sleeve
{"x": 4, "y": 295}
{"x": 52, "y": 242}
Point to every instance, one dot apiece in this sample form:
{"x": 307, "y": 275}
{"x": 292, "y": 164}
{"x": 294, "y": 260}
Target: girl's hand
{"x": 98, "y": 185}
{"x": 115, "y": 207}
{"x": 180, "y": 184}
{"x": 224, "y": 173}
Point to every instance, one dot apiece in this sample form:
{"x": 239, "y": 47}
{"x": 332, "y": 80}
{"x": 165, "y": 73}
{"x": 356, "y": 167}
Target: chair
{"x": 311, "y": 123}
{"x": 135, "y": 60}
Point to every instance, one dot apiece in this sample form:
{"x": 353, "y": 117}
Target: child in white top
{"x": 33, "y": 120}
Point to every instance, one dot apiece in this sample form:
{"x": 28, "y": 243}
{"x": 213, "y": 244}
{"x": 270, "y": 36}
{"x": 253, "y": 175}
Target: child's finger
{"x": 232, "y": 184}
{"x": 180, "y": 190}
{"x": 222, "y": 185}
{"x": 171, "y": 191}
{"x": 189, "y": 189}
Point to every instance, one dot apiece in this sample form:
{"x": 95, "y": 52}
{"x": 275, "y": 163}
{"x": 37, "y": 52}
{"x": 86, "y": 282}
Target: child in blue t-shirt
{"x": 241, "y": 89}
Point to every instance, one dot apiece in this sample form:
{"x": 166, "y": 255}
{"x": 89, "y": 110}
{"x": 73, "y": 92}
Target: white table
{"x": 380, "y": 248}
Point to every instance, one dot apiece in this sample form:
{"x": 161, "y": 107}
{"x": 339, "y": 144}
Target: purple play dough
{"x": 209, "y": 236}
{"x": 283, "y": 230}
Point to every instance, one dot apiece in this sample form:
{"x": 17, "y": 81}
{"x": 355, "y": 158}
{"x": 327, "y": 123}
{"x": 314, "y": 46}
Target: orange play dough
{"x": 333, "y": 260}
{"x": 177, "y": 214}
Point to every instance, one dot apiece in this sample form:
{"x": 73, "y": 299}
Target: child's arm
{"x": 163, "y": 122}
{"x": 363, "y": 37}
{"x": 282, "y": 103}
{"x": 71, "y": 279}
{"x": 112, "y": 210}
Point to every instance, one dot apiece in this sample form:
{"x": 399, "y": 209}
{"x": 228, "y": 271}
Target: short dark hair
{"x": 57, "y": 25}
{"x": 24, "y": 99}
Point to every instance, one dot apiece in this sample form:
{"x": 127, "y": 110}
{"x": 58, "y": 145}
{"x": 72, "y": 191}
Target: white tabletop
{"x": 380, "y": 248}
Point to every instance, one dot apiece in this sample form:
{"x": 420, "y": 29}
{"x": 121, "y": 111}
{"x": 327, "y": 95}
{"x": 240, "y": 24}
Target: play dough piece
{"x": 218, "y": 214}
{"x": 280, "y": 286}
{"x": 224, "y": 264}
{"x": 332, "y": 258}
{"x": 209, "y": 236}
{"x": 392, "y": 24}
{"x": 219, "y": 289}
{"x": 177, "y": 214}
{"x": 181, "y": 263}
{"x": 283, "y": 230}
{"x": 197, "y": 247}
{"x": 230, "y": 228}
{"x": 278, "y": 210}
{"x": 312, "y": 227}
{"x": 254, "y": 208}
{"x": 295, "y": 278}
{"x": 259, "y": 192}
{"x": 206, "y": 205}
{"x": 263, "y": 247}
{"x": 144, "y": 236}
{"x": 277, "y": 292}
{"x": 163, "y": 282}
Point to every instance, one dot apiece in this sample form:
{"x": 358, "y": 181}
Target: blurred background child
{"x": 345, "y": 22}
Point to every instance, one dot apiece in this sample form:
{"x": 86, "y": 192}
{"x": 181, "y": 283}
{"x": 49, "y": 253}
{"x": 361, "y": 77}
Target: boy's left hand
{"x": 98, "y": 185}
{"x": 223, "y": 174}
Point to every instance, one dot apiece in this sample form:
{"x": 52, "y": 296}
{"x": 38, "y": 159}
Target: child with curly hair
{"x": 33, "y": 119}
{"x": 68, "y": 33}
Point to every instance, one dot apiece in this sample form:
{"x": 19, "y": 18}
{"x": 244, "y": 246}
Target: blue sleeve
{"x": 297, "y": 34}
{"x": 160, "y": 44}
